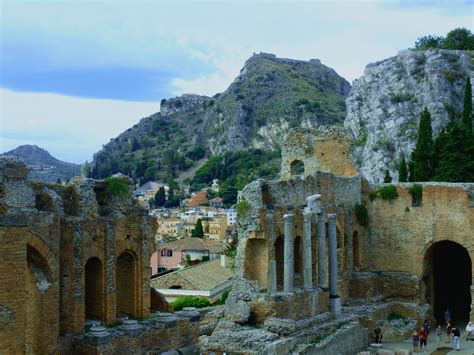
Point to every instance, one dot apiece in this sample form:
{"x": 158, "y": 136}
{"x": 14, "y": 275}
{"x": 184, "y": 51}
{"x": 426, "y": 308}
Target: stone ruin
{"x": 74, "y": 259}
{"x": 310, "y": 271}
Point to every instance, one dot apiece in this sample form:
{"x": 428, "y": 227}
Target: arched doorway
{"x": 355, "y": 250}
{"x": 94, "y": 289}
{"x": 38, "y": 298}
{"x": 125, "y": 285}
{"x": 279, "y": 259}
{"x": 447, "y": 278}
{"x": 298, "y": 261}
{"x": 297, "y": 168}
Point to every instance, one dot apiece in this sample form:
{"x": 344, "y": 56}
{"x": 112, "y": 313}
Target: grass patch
{"x": 394, "y": 316}
{"x": 242, "y": 207}
{"x": 190, "y": 301}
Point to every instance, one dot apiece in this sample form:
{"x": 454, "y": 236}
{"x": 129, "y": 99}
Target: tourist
{"x": 447, "y": 316}
{"x": 469, "y": 330}
{"x": 378, "y": 335}
{"x": 456, "y": 338}
{"x": 448, "y": 332}
{"x": 423, "y": 336}
{"x": 438, "y": 336}
{"x": 416, "y": 340}
{"x": 426, "y": 328}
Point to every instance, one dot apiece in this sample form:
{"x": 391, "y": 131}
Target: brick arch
{"x": 93, "y": 252}
{"x": 45, "y": 252}
{"x": 127, "y": 278}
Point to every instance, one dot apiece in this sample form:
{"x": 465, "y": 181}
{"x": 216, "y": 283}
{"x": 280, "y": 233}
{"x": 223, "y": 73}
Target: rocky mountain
{"x": 270, "y": 96}
{"x": 43, "y": 166}
{"x": 384, "y": 105}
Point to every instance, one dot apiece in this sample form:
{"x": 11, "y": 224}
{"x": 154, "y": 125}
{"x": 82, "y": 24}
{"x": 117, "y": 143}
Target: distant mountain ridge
{"x": 43, "y": 166}
{"x": 269, "y": 96}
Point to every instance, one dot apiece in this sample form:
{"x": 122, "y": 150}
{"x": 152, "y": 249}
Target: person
{"x": 423, "y": 336}
{"x": 456, "y": 338}
{"x": 378, "y": 335}
{"x": 448, "y": 332}
{"x": 426, "y": 328}
{"x": 438, "y": 336}
{"x": 447, "y": 316}
{"x": 469, "y": 331}
{"x": 416, "y": 340}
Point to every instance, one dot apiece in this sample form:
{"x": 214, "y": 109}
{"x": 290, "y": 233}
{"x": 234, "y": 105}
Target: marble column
{"x": 271, "y": 276}
{"x": 289, "y": 263}
{"x": 335, "y": 301}
{"x": 322, "y": 267}
{"x": 307, "y": 257}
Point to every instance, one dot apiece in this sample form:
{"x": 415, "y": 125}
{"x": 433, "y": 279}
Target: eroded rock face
{"x": 384, "y": 105}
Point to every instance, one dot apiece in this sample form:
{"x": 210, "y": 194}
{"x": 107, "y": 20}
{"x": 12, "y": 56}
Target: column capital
{"x": 321, "y": 211}
{"x": 332, "y": 217}
{"x": 288, "y": 217}
{"x": 314, "y": 202}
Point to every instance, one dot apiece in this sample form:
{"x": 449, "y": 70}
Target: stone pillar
{"x": 271, "y": 275}
{"x": 307, "y": 257}
{"x": 322, "y": 268}
{"x": 333, "y": 296}
{"x": 289, "y": 262}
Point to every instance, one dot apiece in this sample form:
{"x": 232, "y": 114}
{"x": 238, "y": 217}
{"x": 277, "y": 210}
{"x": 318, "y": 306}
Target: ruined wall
{"x": 324, "y": 149}
{"x": 48, "y": 233}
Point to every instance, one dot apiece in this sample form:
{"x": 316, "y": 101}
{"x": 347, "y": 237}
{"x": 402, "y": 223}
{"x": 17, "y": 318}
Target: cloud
{"x": 71, "y": 129}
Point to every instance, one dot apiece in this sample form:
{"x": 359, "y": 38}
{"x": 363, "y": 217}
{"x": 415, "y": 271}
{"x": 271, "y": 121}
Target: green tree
{"x": 387, "y": 179}
{"x": 229, "y": 195}
{"x": 467, "y": 108}
{"x": 198, "y": 231}
{"x": 428, "y": 42}
{"x": 459, "y": 38}
{"x": 160, "y": 197}
{"x": 455, "y": 147}
{"x": 422, "y": 156}
{"x": 402, "y": 171}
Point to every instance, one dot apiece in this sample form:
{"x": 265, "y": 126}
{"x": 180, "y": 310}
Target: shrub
{"x": 116, "y": 186}
{"x": 190, "y": 301}
{"x": 44, "y": 202}
{"x": 362, "y": 215}
{"x": 242, "y": 208}
{"x": 222, "y": 298}
{"x": 70, "y": 200}
{"x": 388, "y": 192}
{"x": 416, "y": 191}
{"x": 394, "y": 316}
{"x": 373, "y": 195}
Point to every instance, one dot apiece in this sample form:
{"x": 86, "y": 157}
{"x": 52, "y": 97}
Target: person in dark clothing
{"x": 456, "y": 338}
{"x": 378, "y": 335}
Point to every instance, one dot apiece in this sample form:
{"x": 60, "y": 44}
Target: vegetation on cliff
{"x": 459, "y": 38}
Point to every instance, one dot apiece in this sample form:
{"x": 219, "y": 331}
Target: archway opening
{"x": 298, "y": 261}
{"x": 448, "y": 281}
{"x": 38, "y": 283}
{"x": 297, "y": 168}
{"x": 126, "y": 285}
{"x": 94, "y": 289}
{"x": 279, "y": 258}
{"x": 355, "y": 250}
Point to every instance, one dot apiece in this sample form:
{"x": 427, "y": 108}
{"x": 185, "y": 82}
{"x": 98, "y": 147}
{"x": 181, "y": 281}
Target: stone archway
{"x": 38, "y": 299}
{"x": 126, "y": 288}
{"x": 279, "y": 260}
{"x": 297, "y": 168}
{"x": 298, "y": 261}
{"x": 447, "y": 280}
{"x": 94, "y": 289}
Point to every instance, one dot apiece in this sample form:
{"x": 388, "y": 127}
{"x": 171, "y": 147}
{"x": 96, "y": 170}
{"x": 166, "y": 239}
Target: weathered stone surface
{"x": 236, "y": 310}
{"x": 384, "y": 105}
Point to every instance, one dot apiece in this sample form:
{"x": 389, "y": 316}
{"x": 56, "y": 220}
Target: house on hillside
{"x": 209, "y": 279}
{"x": 172, "y": 256}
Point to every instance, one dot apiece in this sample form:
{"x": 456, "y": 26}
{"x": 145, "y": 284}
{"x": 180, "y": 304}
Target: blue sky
{"x": 75, "y": 74}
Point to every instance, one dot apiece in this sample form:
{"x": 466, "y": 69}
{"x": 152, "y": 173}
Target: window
{"x": 163, "y": 252}
{"x": 170, "y": 252}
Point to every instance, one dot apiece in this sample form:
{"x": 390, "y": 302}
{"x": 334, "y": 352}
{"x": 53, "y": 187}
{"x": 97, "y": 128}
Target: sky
{"x": 74, "y": 74}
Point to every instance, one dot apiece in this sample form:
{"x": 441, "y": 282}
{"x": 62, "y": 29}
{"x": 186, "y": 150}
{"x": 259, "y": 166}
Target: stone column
{"x": 289, "y": 262}
{"x": 271, "y": 276}
{"x": 322, "y": 268}
{"x": 307, "y": 258}
{"x": 333, "y": 296}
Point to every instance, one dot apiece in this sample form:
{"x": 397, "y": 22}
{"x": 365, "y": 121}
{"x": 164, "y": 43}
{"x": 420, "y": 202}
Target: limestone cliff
{"x": 384, "y": 105}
